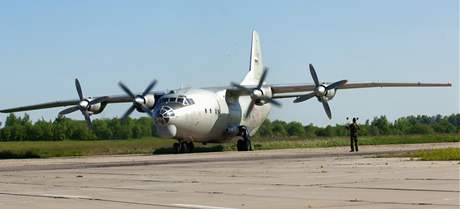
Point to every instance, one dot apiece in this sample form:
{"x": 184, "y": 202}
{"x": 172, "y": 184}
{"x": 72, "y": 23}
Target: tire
{"x": 177, "y": 148}
{"x": 183, "y": 147}
{"x": 241, "y": 145}
{"x": 190, "y": 147}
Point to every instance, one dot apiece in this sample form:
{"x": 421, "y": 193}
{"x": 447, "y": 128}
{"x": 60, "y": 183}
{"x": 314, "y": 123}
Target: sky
{"x": 45, "y": 45}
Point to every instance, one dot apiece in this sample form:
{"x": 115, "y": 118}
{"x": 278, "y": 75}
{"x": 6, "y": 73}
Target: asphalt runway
{"x": 299, "y": 178}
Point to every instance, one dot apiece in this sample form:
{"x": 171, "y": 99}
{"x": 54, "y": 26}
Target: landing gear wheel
{"x": 190, "y": 147}
{"x": 177, "y": 148}
{"x": 241, "y": 145}
{"x": 244, "y": 144}
{"x": 183, "y": 147}
{"x": 248, "y": 144}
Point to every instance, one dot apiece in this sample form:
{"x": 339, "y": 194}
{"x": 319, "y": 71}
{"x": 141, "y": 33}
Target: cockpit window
{"x": 180, "y": 100}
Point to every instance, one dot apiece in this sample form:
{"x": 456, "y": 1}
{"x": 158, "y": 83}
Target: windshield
{"x": 177, "y": 100}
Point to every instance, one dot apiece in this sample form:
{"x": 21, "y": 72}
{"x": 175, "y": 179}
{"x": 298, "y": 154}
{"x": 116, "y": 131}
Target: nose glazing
{"x": 164, "y": 115}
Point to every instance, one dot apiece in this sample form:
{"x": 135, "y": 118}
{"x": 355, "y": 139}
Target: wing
{"x": 290, "y": 91}
{"x": 110, "y": 100}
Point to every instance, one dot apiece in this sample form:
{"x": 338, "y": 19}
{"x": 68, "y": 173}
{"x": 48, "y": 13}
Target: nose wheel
{"x": 183, "y": 147}
{"x": 245, "y": 143}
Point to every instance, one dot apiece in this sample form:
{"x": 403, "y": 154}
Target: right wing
{"x": 290, "y": 91}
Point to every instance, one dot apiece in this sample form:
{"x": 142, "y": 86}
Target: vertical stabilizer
{"x": 256, "y": 66}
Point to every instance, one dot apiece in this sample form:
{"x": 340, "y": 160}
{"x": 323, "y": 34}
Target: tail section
{"x": 256, "y": 66}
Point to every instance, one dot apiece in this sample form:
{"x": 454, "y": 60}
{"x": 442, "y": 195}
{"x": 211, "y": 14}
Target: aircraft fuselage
{"x": 206, "y": 115}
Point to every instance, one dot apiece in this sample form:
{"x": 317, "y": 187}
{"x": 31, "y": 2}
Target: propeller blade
{"x": 98, "y": 100}
{"x": 149, "y": 88}
{"x": 79, "y": 91}
{"x": 147, "y": 110}
{"x": 87, "y": 119}
{"x": 242, "y": 88}
{"x": 327, "y": 109}
{"x": 128, "y": 112}
{"x": 262, "y": 78}
{"x": 336, "y": 84}
{"x": 250, "y": 108}
{"x": 126, "y": 90}
{"x": 304, "y": 97}
{"x": 313, "y": 75}
{"x": 69, "y": 110}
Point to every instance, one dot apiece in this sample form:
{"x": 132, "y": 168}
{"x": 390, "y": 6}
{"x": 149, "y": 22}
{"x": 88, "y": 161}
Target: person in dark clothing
{"x": 353, "y": 128}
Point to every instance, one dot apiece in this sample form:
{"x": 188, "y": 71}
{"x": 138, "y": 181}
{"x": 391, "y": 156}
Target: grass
{"x": 444, "y": 154}
{"x": 264, "y": 144}
{"x": 45, "y": 149}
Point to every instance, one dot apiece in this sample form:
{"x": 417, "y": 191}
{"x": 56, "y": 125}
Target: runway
{"x": 296, "y": 178}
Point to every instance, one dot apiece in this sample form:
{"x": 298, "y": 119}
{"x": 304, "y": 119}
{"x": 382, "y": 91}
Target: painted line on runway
{"x": 397, "y": 189}
{"x": 77, "y": 197}
{"x": 199, "y": 206}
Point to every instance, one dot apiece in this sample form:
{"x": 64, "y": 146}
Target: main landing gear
{"x": 245, "y": 143}
{"x": 183, "y": 147}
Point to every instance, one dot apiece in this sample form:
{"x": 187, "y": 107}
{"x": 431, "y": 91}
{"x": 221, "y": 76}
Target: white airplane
{"x": 217, "y": 114}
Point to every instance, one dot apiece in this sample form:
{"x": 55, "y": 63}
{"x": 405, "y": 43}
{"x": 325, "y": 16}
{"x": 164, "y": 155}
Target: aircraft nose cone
{"x": 168, "y": 131}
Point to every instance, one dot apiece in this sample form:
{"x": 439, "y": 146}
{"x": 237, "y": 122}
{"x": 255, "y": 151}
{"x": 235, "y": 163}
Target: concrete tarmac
{"x": 296, "y": 178}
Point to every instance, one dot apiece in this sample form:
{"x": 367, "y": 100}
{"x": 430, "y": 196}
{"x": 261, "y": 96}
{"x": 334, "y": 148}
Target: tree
{"x": 266, "y": 129}
{"x": 279, "y": 128}
{"x": 382, "y": 124}
{"x": 295, "y": 129}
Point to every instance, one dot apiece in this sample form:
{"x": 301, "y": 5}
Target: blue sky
{"x": 44, "y": 45}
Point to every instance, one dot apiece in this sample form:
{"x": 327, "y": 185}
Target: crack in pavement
{"x": 397, "y": 189}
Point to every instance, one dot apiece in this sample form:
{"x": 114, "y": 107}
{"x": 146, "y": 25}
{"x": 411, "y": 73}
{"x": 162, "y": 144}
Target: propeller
{"x": 138, "y": 100}
{"x": 256, "y": 93}
{"x": 83, "y": 105}
{"x": 320, "y": 91}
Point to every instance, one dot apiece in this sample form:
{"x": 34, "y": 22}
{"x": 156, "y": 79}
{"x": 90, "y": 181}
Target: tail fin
{"x": 256, "y": 66}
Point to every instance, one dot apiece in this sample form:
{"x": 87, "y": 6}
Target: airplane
{"x": 214, "y": 114}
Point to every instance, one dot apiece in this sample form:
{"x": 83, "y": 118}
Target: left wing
{"x": 94, "y": 105}
{"x": 66, "y": 103}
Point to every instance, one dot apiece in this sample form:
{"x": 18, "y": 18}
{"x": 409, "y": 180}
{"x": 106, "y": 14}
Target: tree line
{"x": 420, "y": 124}
{"x": 22, "y": 128}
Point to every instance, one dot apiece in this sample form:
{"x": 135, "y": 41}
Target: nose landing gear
{"x": 183, "y": 147}
{"x": 245, "y": 143}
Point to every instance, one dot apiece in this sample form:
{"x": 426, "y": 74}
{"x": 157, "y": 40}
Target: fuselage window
{"x": 210, "y": 111}
{"x": 205, "y": 110}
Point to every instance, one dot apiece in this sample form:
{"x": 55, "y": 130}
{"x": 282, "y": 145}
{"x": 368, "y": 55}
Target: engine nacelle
{"x": 149, "y": 102}
{"x": 330, "y": 94}
{"x": 257, "y": 93}
{"x": 97, "y": 108}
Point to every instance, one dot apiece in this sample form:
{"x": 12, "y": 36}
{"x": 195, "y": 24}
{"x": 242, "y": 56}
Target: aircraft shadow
{"x": 170, "y": 150}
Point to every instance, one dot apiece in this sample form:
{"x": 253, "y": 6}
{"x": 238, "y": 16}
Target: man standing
{"x": 353, "y": 128}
